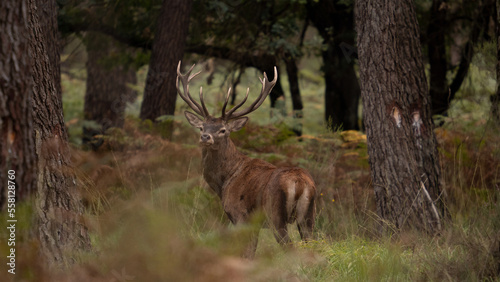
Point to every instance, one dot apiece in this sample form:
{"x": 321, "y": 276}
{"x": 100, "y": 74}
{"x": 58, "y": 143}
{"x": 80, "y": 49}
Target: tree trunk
{"x": 342, "y": 90}
{"x": 61, "y": 230}
{"x": 47, "y": 15}
{"x": 436, "y": 49}
{"x": 160, "y": 93}
{"x": 397, "y": 113}
{"x": 335, "y": 23}
{"x": 441, "y": 93}
{"x": 17, "y": 143}
{"x": 297, "y": 106}
{"x": 107, "y": 92}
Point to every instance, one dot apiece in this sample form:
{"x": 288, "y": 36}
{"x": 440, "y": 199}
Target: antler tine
{"x": 267, "y": 86}
{"x": 185, "y": 79}
{"x": 225, "y": 103}
{"x": 205, "y": 111}
{"x": 230, "y": 113}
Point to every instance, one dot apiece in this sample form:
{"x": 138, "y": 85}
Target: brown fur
{"x": 245, "y": 185}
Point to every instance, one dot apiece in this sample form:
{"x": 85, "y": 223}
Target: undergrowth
{"x": 152, "y": 217}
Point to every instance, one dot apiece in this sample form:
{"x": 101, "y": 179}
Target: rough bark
{"x": 60, "y": 227}
{"x": 335, "y": 24}
{"x": 160, "y": 93}
{"x": 47, "y": 15}
{"x": 16, "y": 144}
{"x": 107, "y": 93}
{"x": 397, "y": 113}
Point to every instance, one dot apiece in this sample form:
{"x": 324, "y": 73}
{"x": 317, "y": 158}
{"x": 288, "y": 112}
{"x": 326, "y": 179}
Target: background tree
{"x": 447, "y": 19}
{"x": 17, "y": 143}
{"x": 258, "y": 34}
{"x": 160, "y": 93}
{"x": 402, "y": 148}
{"x": 262, "y": 34}
{"x": 107, "y": 92}
{"x": 59, "y": 210}
{"x": 335, "y": 23}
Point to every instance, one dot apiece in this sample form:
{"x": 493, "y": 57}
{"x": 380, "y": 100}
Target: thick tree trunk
{"x": 160, "y": 93}
{"x": 47, "y": 15}
{"x": 397, "y": 113}
{"x": 17, "y": 143}
{"x": 61, "y": 230}
{"x": 107, "y": 92}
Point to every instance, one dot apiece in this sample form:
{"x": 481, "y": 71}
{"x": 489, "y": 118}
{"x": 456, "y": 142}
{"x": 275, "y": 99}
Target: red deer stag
{"x": 246, "y": 185}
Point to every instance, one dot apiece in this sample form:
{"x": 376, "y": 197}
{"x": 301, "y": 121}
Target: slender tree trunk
{"x": 160, "y": 93}
{"x": 335, "y": 23}
{"x": 441, "y": 93}
{"x": 61, "y": 229}
{"x": 17, "y": 143}
{"x": 107, "y": 92}
{"x": 297, "y": 106}
{"x": 436, "y": 49}
{"x": 342, "y": 90}
{"x": 397, "y": 113}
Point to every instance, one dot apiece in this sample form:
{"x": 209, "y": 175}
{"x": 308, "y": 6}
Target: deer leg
{"x": 252, "y": 246}
{"x": 281, "y": 235}
{"x": 305, "y": 223}
{"x": 239, "y": 219}
{"x": 279, "y": 219}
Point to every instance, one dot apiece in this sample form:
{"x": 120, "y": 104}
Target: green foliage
{"x": 265, "y": 27}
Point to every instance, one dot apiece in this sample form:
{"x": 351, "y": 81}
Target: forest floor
{"x": 152, "y": 217}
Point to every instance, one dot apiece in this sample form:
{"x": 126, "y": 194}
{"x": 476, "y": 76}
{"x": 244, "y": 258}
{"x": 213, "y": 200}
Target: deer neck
{"x": 219, "y": 165}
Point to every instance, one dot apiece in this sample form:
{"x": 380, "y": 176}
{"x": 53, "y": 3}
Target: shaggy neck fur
{"x": 220, "y": 164}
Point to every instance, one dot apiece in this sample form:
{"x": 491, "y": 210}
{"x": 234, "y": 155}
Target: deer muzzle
{"x": 206, "y": 139}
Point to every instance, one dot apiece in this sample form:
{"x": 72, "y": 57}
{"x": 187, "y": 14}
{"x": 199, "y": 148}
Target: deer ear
{"x": 193, "y": 119}
{"x": 237, "y": 124}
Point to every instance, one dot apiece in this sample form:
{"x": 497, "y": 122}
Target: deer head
{"x": 214, "y": 132}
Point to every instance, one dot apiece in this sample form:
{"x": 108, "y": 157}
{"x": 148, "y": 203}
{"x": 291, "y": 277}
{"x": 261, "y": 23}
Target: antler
{"x": 267, "y": 86}
{"x": 185, "y": 79}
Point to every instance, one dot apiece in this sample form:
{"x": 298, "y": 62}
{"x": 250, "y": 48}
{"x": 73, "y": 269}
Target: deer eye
{"x": 222, "y": 131}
